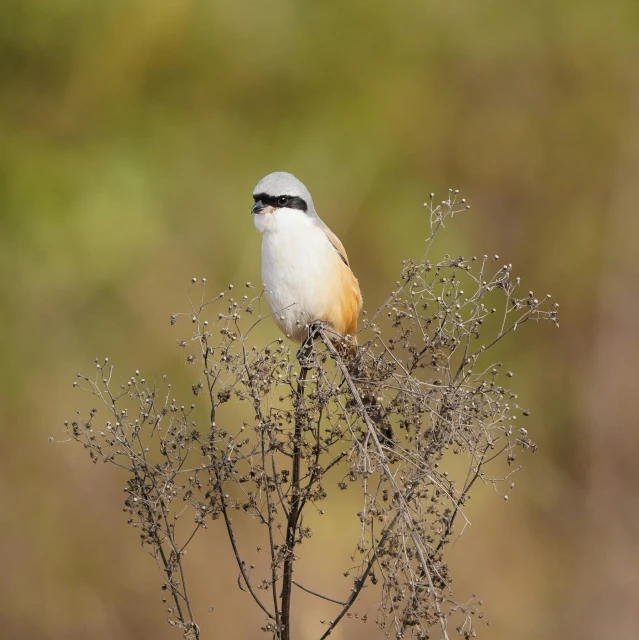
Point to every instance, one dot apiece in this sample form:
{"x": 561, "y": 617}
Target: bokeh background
{"x": 131, "y": 135}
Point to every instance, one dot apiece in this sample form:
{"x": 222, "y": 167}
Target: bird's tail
{"x": 346, "y": 350}
{"x": 372, "y": 403}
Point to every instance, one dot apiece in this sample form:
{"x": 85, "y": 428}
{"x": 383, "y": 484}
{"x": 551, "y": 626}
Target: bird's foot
{"x": 305, "y": 352}
{"x": 315, "y": 328}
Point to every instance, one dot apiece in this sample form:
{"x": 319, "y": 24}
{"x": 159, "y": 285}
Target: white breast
{"x": 298, "y": 264}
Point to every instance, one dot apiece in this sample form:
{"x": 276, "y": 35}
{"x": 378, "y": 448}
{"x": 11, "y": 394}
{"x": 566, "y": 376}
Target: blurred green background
{"x": 131, "y": 136}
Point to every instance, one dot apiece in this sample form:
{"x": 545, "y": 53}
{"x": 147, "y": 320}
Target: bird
{"x": 307, "y": 278}
{"x": 306, "y": 274}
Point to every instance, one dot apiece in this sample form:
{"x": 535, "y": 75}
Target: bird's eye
{"x": 282, "y": 201}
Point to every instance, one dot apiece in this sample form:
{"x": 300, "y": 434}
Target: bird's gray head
{"x": 281, "y": 190}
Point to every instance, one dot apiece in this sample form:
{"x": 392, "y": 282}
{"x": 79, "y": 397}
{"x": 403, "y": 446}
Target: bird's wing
{"x": 338, "y": 246}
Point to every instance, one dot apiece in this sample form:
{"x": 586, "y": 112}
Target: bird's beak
{"x": 257, "y": 207}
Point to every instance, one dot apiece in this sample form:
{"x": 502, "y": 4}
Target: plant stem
{"x": 291, "y": 524}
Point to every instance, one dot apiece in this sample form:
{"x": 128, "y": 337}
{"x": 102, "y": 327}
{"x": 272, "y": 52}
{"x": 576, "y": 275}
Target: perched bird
{"x": 307, "y": 277}
{"x": 305, "y": 269}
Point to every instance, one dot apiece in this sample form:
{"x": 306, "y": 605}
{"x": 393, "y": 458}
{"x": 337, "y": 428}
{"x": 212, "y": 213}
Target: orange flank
{"x": 346, "y": 304}
{"x": 347, "y": 298}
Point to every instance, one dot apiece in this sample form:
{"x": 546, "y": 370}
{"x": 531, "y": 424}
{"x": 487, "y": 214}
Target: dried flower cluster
{"x": 411, "y": 419}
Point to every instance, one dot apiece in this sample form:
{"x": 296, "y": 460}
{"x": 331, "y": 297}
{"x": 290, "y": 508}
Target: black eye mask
{"x": 279, "y": 202}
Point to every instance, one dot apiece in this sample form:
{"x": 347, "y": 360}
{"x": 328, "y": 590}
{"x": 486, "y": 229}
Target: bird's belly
{"x": 297, "y": 270}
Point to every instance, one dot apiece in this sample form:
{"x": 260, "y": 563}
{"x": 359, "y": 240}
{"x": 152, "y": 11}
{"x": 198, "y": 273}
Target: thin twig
{"x": 319, "y": 595}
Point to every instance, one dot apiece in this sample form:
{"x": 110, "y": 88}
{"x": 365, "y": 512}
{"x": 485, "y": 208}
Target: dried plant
{"x": 412, "y": 420}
